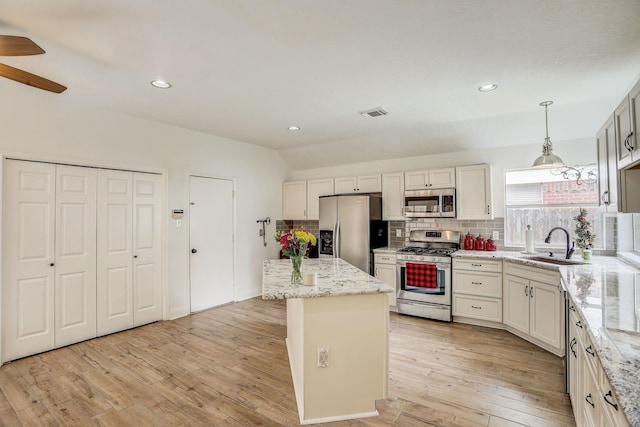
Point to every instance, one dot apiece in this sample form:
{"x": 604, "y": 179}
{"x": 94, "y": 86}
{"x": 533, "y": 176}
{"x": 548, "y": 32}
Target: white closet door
{"x": 28, "y": 259}
{"x": 147, "y": 257}
{"x": 75, "y": 256}
{"x": 115, "y": 252}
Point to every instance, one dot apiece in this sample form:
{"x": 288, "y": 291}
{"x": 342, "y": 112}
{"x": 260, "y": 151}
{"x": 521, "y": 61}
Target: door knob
{"x": 193, "y": 251}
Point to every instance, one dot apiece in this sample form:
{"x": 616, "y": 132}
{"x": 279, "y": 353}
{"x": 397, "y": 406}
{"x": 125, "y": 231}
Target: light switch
{"x": 398, "y": 232}
{"x": 496, "y": 235}
{"x": 178, "y": 223}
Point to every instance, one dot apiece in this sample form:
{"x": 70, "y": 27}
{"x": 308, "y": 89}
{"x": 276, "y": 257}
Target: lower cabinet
{"x": 533, "y": 305}
{"x": 594, "y": 403}
{"x": 477, "y": 291}
{"x": 385, "y": 271}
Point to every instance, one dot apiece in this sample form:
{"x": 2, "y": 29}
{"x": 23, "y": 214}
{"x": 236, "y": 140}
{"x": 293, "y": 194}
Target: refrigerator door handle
{"x": 336, "y": 240}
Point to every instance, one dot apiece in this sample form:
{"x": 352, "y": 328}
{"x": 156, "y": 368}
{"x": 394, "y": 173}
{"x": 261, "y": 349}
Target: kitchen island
{"x": 337, "y": 337}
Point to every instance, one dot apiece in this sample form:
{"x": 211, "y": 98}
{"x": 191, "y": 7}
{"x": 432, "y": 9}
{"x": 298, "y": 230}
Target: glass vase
{"x": 296, "y": 269}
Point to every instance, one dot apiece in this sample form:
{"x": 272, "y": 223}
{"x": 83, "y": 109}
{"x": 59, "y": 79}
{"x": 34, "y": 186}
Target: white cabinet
{"x": 474, "y": 196}
{"x": 607, "y": 168}
{"x": 51, "y": 270}
{"x": 358, "y": 184}
{"x": 533, "y": 305}
{"x": 385, "y": 271}
{"x": 294, "y": 200}
{"x": 315, "y": 189}
{"x": 477, "y": 291}
{"x": 392, "y": 196}
{"x": 428, "y": 179}
{"x": 627, "y": 118}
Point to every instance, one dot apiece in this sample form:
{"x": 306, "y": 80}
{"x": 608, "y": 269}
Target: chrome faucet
{"x": 571, "y": 249}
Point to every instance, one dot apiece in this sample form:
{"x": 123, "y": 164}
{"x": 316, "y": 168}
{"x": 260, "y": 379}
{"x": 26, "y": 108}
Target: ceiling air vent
{"x": 376, "y": 112}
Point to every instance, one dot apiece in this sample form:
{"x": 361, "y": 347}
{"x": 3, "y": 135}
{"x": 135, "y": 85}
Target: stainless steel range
{"x": 424, "y": 274}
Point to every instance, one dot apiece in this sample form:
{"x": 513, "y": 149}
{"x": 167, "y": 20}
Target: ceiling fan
{"x": 21, "y": 46}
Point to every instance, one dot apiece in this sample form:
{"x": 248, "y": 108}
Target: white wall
{"x": 571, "y": 152}
{"x": 49, "y": 125}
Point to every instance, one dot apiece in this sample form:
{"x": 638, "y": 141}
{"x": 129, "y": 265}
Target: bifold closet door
{"x": 115, "y": 251}
{"x": 28, "y": 259}
{"x": 129, "y": 250}
{"x": 147, "y": 256}
{"x": 75, "y": 254}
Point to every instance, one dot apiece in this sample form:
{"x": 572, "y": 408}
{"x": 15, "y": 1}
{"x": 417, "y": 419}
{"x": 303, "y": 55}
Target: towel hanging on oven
{"x": 421, "y": 275}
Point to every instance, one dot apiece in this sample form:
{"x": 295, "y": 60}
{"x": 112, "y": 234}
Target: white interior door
{"x": 147, "y": 258}
{"x": 115, "y": 252}
{"x": 211, "y": 240}
{"x": 28, "y": 258}
{"x": 75, "y": 256}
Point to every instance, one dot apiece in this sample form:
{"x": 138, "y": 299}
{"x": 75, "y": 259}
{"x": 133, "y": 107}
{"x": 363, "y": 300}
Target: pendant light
{"x": 548, "y": 159}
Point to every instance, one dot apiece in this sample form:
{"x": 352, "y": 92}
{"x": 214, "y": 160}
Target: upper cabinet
{"x": 392, "y": 196}
{"x": 358, "y": 184}
{"x": 300, "y": 198}
{"x": 315, "y": 189}
{"x": 294, "y": 200}
{"x": 428, "y": 179}
{"x": 607, "y": 168}
{"x": 626, "y": 118}
{"x": 474, "y": 195}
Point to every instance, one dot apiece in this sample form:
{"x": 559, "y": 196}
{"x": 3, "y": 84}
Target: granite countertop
{"x": 336, "y": 277}
{"x": 606, "y": 293}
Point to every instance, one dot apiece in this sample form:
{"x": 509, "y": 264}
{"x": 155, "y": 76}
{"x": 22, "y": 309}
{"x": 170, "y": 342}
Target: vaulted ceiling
{"x": 249, "y": 69}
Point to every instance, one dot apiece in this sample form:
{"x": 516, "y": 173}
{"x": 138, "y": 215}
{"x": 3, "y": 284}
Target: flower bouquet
{"x": 295, "y": 245}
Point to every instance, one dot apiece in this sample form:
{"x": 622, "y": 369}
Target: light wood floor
{"x": 228, "y": 367}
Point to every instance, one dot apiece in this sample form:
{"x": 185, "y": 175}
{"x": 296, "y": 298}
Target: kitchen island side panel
{"x": 355, "y": 329}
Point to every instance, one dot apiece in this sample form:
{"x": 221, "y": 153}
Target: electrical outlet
{"x": 398, "y": 232}
{"x": 323, "y": 357}
{"x": 496, "y": 235}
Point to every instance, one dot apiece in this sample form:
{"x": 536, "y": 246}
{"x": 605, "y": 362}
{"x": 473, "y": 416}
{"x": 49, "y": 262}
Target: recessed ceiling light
{"x": 294, "y": 127}
{"x": 161, "y": 84}
{"x": 488, "y": 87}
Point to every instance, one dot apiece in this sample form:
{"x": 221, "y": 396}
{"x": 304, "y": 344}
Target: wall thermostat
{"x": 177, "y": 214}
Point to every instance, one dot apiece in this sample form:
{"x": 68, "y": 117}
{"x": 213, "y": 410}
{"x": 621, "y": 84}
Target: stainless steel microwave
{"x": 439, "y": 203}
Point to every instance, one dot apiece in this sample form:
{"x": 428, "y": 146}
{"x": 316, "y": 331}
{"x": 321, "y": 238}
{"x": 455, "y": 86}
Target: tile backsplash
{"x": 478, "y": 227}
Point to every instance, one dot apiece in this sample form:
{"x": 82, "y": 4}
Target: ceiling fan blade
{"x": 18, "y": 46}
{"x": 30, "y": 79}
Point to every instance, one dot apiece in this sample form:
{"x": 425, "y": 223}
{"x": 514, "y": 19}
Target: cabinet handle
{"x": 590, "y": 351}
{"x": 476, "y": 265}
{"x": 579, "y": 324}
{"x": 476, "y": 283}
{"x": 606, "y": 399}
{"x": 589, "y": 400}
{"x": 605, "y": 197}
{"x": 477, "y": 308}
{"x": 572, "y": 343}
{"x": 531, "y": 291}
{"x": 631, "y": 147}
{"x": 526, "y": 291}
{"x": 626, "y": 143}
{"x": 135, "y": 256}
{"x": 572, "y": 307}
{"x": 376, "y": 272}
{"x": 51, "y": 265}
{"x": 488, "y": 210}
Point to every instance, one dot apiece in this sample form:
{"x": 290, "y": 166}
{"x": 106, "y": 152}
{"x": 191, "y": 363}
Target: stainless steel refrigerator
{"x": 351, "y": 227}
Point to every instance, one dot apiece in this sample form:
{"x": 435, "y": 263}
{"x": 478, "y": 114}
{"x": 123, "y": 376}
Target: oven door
{"x": 440, "y": 294}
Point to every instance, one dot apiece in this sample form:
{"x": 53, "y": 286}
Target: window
{"x": 544, "y": 199}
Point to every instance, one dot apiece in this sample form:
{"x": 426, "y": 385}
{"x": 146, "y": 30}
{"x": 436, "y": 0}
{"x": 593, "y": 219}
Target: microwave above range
{"x": 439, "y": 203}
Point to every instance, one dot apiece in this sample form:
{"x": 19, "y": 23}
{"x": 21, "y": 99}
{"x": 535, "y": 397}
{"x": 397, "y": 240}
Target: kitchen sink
{"x": 557, "y": 261}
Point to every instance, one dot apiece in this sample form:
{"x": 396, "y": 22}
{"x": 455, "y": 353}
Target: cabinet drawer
{"x": 576, "y": 324}
{"x": 381, "y": 258}
{"x": 477, "y": 307}
{"x": 477, "y": 265}
{"x": 477, "y": 283}
{"x": 610, "y": 403}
